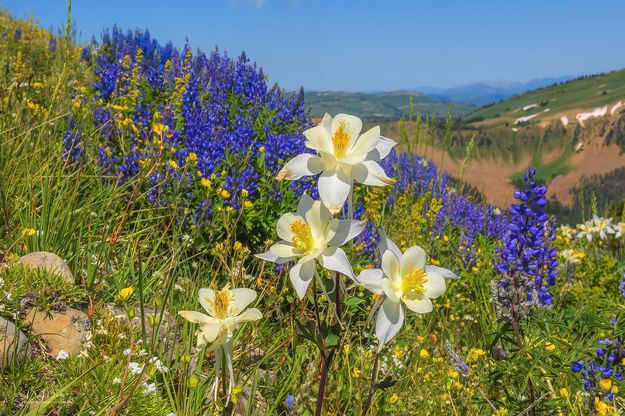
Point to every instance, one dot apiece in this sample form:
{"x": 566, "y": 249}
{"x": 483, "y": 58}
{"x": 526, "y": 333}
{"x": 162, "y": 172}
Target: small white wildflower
{"x": 1, "y": 282}
{"x": 127, "y": 351}
{"x": 149, "y": 388}
{"x": 134, "y": 367}
{"x": 159, "y": 365}
{"x": 62, "y": 355}
{"x": 178, "y": 288}
{"x": 117, "y": 380}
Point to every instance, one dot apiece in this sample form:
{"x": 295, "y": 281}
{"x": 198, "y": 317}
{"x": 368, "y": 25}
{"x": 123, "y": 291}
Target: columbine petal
{"x": 301, "y": 165}
{"x": 252, "y": 314}
{"x": 241, "y": 298}
{"x": 283, "y": 250}
{"x": 317, "y": 218}
{"x": 196, "y": 317}
{"x": 334, "y": 258}
{"x": 301, "y": 275}
{"x": 387, "y": 244}
{"x": 207, "y": 297}
{"x": 352, "y": 126}
{"x": 389, "y": 291}
{"x": 334, "y": 188}
{"x": 419, "y": 305}
{"x": 434, "y": 285}
{"x": 269, "y": 256}
{"x": 208, "y": 333}
{"x": 304, "y": 205}
{"x": 447, "y": 274}
{"x": 371, "y": 173}
{"x": 346, "y": 231}
{"x": 367, "y": 141}
{"x": 284, "y": 225}
{"x": 388, "y": 322}
{"x": 320, "y": 137}
{"x": 371, "y": 279}
{"x": 382, "y": 149}
{"x": 391, "y": 265}
{"x": 414, "y": 258}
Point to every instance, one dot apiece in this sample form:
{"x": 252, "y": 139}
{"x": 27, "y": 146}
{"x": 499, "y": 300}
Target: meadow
{"x": 220, "y": 266}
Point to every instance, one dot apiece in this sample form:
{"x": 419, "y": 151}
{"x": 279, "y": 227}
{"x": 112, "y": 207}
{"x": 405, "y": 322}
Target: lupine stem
{"x": 374, "y": 376}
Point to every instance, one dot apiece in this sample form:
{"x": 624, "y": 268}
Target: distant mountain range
{"x": 483, "y": 93}
{"x": 426, "y": 100}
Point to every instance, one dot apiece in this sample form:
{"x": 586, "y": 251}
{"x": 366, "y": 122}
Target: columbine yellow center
{"x": 303, "y": 238}
{"x": 340, "y": 141}
{"x": 412, "y": 283}
{"x": 221, "y": 303}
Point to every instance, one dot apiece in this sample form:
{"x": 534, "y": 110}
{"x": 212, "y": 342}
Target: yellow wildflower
{"x": 125, "y": 293}
{"x": 549, "y": 346}
{"x": 356, "y": 372}
{"x": 247, "y": 203}
{"x": 605, "y": 384}
{"x": 28, "y": 232}
{"x": 564, "y": 392}
{"x": 173, "y": 164}
{"x": 423, "y": 354}
{"x": 225, "y": 193}
{"x": 192, "y": 157}
{"x": 394, "y": 397}
{"x": 261, "y": 149}
{"x": 205, "y": 182}
{"x": 238, "y": 246}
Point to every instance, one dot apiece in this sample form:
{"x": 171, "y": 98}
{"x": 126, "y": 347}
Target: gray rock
{"x": 49, "y": 262}
{"x": 13, "y": 343}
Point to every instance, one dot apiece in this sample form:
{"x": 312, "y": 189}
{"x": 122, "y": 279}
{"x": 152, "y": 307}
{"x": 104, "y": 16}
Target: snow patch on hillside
{"x": 597, "y": 112}
{"x": 524, "y": 119}
{"x": 616, "y": 107}
{"x": 529, "y": 107}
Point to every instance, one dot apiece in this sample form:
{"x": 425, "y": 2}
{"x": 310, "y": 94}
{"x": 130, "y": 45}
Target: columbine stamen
{"x": 303, "y": 239}
{"x": 340, "y": 141}
{"x": 221, "y": 303}
{"x": 412, "y": 284}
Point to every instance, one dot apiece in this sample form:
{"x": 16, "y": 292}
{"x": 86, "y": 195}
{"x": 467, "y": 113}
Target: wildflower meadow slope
{"x": 221, "y": 253}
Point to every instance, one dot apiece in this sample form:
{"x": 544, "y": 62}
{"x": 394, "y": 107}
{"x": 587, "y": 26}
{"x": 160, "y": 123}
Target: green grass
{"x": 545, "y": 171}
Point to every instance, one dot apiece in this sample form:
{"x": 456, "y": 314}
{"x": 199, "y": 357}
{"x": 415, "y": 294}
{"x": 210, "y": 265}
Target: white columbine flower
{"x": 620, "y": 230}
{"x": 404, "y": 278}
{"x": 603, "y": 226}
{"x": 344, "y": 156}
{"x": 586, "y": 231}
{"x": 226, "y": 310}
{"x": 571, "y": 256}
{"x": 566, "y": 231}
{"x": 312, "y": 235}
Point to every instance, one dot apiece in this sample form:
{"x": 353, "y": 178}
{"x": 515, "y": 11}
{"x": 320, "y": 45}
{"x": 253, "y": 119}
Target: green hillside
{"x": 566, "y": 99}
{"x": 386, "y": 105}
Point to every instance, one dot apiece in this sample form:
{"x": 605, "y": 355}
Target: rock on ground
{"x": 49, "y": 262}
{"x": 60, "y": 330}
{"x": 12, "y": 341}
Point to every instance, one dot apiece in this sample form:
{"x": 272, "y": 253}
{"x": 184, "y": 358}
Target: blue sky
{"x": 373, "y": 45}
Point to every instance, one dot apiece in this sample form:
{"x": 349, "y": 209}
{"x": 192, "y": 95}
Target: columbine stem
{"x": 374, "y": 376}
